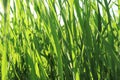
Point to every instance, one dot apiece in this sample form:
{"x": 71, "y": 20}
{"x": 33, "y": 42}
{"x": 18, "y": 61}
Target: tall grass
{"x": 35, "y": 45}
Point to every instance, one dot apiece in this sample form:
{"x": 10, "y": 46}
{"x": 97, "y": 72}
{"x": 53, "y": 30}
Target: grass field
{"x": 60, "y": 40}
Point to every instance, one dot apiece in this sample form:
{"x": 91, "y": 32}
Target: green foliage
{"x": 35, "y": 45}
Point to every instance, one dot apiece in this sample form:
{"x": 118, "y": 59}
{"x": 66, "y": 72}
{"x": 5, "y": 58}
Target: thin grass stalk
{"x": 5, "y": 28}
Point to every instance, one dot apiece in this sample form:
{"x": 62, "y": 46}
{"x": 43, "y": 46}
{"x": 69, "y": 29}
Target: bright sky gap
{"x": 114, "y": 8}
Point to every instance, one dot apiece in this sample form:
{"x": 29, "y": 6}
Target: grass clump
{"x": 59, "y": 40}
